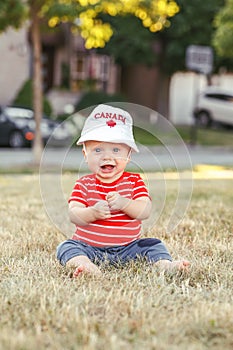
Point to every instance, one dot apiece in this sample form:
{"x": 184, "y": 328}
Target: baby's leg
{"x": 83, "y": 264}
{"x": 167, "y": 265}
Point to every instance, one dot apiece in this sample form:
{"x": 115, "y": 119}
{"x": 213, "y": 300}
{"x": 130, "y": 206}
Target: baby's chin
{"x": 108, "y": 177}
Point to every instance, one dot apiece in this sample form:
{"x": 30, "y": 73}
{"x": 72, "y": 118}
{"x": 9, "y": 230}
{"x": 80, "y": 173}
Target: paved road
{"x": 149, "y": 158}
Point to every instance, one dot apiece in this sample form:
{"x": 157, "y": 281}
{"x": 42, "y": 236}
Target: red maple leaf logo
{"x": 111, "y": 123}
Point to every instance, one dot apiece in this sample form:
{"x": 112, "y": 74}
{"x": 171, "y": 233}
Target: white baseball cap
{"x": 109, "y": 124}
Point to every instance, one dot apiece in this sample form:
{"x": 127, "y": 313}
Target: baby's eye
{"x": 116, "y": 149}
{"x": 97, "y": 150}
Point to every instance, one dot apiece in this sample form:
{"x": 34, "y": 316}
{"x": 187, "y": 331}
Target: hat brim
{"x": 106, "y": 137}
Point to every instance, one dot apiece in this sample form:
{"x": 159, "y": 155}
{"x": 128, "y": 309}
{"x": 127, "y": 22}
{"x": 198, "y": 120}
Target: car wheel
{"x": 16, "y": 139}
{"x": 203, "y": 119}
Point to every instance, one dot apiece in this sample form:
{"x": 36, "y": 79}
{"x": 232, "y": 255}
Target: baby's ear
{"x": 84, "y": 154}
{"x": 129, "y": 156}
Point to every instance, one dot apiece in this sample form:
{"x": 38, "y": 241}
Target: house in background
{"x": 15, "y": 66}
{"x": 69, "y": 69}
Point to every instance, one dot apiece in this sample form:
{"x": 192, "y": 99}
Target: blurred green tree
{"x": 96, "y": 17}
{"x": 24, "y": 98}
{"x": 223, "y": 37}
{"x": 133, "y": 44}
{"x": 12, "y": 13}
{"x": 195, "y": 24}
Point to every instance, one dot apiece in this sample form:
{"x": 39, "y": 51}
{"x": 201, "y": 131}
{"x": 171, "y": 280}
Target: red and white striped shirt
{"x": 120, "y": 229}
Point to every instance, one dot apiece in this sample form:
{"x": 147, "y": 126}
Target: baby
{"x": 108, "y": 205}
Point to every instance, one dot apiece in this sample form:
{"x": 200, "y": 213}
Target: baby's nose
{"x": 107, "y": 155}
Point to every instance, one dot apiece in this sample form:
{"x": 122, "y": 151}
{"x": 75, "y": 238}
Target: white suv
{"x": 214, "y": 104}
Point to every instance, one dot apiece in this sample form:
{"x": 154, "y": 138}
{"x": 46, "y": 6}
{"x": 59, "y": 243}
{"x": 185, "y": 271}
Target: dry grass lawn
{"x": 134, "y": 307}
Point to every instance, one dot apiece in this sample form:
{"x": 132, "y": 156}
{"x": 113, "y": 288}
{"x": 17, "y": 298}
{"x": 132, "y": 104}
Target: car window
{"x": 219, "y": 96}
{"x": 229, "y": 98}
{"x": 18, "y": 112}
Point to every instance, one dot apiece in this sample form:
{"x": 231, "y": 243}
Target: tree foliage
{"x": 97, "y": 30}
{"x": 24, "y": 98}
{"x": 131, "y": 42}
{"x": 223, "y": 37}
{"x": 12, "y": 14}
{"x": 194, "y": 24}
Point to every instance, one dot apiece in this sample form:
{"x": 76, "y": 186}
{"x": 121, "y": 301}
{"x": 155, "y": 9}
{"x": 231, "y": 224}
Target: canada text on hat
{"x": 109, "y": 124}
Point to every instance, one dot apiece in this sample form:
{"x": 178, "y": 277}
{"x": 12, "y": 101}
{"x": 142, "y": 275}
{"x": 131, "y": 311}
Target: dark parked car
{"x": 17, "y": 128}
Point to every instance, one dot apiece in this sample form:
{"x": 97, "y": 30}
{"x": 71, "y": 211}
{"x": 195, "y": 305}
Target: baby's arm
{"x": 136, "y": 208}
{"x": 81, "y": 215}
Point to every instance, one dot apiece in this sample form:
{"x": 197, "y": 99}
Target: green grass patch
{"x": 144, "y": 137}
{"x": 203, "y": 137}
{"x": 206, "y": 137}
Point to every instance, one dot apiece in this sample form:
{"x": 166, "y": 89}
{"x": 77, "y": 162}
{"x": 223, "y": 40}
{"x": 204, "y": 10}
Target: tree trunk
{"x": 164, "y": 96}
{"x": 37, "y": 85}
{"x": 141, "y": 84}
{"x": 146, "y": 86}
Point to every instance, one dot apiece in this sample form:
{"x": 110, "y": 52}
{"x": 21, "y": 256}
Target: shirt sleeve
{"x": 140, "y": 189}
{"x": 79, "y": 193}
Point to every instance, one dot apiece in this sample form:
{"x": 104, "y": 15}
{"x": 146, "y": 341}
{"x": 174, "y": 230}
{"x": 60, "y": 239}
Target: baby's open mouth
{"x": 107, "y": 167}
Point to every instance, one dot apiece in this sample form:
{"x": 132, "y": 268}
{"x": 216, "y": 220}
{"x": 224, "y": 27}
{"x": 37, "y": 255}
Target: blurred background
{"x": 59, "y": 57}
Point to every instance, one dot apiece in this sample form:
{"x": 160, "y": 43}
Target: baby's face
{"x": 107, "y": 160}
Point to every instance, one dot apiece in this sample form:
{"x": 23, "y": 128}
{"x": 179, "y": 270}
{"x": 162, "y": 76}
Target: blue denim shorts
{"x": 151, "y": 249}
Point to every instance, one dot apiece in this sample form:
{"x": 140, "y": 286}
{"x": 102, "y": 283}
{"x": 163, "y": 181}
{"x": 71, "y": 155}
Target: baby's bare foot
{"x": 87, "y": 269}
{"x": 180, "y": 264}
{"x": 177, "y": 265}
{"x": 83, "y": 264}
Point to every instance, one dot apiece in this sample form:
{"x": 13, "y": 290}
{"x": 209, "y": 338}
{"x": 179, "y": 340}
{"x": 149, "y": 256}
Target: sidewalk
{"x": 154, "y": 158}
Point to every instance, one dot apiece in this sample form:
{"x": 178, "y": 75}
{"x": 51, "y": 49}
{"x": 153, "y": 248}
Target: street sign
{"x": 199, "y": 58}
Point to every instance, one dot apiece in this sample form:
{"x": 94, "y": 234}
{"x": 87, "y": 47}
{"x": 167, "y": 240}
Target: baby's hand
{"x": 101, "y": 210}
{"x": 116, "y": 201}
